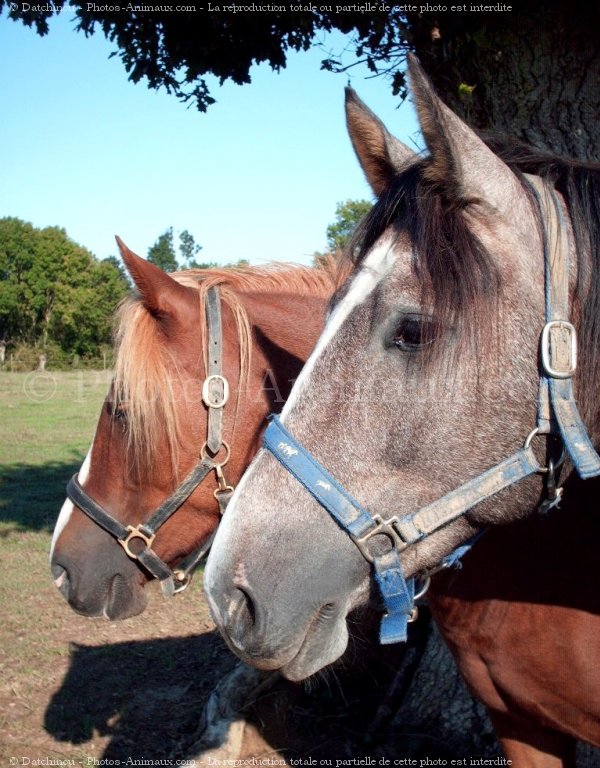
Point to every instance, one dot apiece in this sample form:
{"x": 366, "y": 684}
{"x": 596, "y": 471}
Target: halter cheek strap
{"x": 137, "y": 540}
{"x": 557, "y": 412}
{"x": 215, "y": 390}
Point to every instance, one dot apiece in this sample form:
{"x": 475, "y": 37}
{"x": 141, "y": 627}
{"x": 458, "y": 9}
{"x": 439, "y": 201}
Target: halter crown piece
{"x": 215, "y": 392}
{"x": 557, "y": 415}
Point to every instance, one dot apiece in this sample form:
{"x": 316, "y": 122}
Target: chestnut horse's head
{"x": 426, "y": 375}
{"x": 158, "y": 417}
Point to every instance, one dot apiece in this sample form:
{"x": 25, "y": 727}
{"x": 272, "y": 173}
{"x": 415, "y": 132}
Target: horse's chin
{"x": 125, "y": 598}
{"x": 122, "y": 600}
{"x": 322, "y": 645}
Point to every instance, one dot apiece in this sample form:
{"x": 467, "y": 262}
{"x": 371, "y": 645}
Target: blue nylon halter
{"x": 397, "y": 592}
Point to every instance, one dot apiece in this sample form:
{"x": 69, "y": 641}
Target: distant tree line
{"x": 55, "y": 296}
{"x": 58, "y": 300}
{"x": 169, "y": 258}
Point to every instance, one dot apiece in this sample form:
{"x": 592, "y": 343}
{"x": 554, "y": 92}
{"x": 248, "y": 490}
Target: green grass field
{"x": 46, "y": 425}
{"x": 73, "y": 687}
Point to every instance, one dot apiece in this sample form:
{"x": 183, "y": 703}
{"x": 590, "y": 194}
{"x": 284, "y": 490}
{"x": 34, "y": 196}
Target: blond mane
{"x": 146, "y": 368}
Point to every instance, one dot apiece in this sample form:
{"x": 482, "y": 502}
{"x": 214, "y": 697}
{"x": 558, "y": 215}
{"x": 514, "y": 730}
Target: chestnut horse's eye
{"x": 414, "y": 333}
{"x": 117, "y": 411}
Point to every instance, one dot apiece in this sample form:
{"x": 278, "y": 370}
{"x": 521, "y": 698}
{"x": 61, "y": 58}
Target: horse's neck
{"x": 290, "y": 324}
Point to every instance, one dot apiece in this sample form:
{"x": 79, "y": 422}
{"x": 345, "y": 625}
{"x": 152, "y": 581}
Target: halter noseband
{"x": 137, "y": 540}
{"x": 557, "y": 415}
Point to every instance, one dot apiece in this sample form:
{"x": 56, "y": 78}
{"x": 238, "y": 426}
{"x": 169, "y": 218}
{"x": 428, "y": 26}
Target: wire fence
{"x": 25, "y": 359}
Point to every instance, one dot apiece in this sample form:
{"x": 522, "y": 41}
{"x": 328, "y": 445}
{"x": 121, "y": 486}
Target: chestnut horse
{"x": 161, "y": 443}
{"x": 419, "y": 402}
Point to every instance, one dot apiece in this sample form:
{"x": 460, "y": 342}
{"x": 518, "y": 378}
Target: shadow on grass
{"x": 148, "y": 696}
{"x": 31, "y": 496}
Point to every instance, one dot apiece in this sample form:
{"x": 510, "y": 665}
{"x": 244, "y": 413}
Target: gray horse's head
{"x": 426, "y": 374}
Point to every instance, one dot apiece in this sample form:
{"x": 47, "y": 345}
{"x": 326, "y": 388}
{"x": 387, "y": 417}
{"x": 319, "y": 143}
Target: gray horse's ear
{"x": 380, "y": 154}
{"x": 460, "y": 161}
{"x": 162, "y": 296}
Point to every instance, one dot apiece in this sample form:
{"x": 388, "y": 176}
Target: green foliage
{"x": 53, "y": 292}
{"x": 240, "y": 263}
{"x": 347, "y": 216}
{"x": 162, "y": 253}
{"x": 176, "y": 51}
{"x": 189, "y": 249}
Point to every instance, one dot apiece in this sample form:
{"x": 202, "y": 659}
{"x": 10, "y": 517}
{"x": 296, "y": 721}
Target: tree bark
{"x": 533, "y": 73}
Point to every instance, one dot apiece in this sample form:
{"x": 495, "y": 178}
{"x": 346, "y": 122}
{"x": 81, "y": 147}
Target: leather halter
{"x": 557, "y": 416}
{"x": 137, "y": 540}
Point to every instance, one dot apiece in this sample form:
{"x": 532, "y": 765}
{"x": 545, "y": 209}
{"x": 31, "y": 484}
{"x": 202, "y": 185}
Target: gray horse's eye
{"x": 414, "y": 333}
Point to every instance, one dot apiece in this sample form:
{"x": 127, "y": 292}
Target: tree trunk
{"x": 533, "y": 73}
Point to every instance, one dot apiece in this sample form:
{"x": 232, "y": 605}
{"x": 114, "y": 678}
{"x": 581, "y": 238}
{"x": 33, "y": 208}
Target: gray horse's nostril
{"x": 241, "y": 617}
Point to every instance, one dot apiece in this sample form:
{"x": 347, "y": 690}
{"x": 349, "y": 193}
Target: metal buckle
{"x": 382, "y": 527}
{"x": 559, "y": 339}
{"x": 206, "y": 394}
{"x": 135, "y": 533}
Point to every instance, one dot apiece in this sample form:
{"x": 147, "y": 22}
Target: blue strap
{"x": 454, "y": 559}
{"x": 346, "y": 510}
{"x": 453, "y": 505}
{"x": 398, "y": 596}
{"x": 572, "y": 429}
{"x": 397, "y": 593}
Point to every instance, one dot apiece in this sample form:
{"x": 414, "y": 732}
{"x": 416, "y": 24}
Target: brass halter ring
{"x": 182, "y": 580}
{"x": 204, "y": 453}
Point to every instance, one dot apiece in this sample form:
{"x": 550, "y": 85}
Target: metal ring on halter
{"x": 544, "y": 470}
{"x": 424, "y": 587}
{"x": 182, "y": 580}
{"x": 205, "y": 455}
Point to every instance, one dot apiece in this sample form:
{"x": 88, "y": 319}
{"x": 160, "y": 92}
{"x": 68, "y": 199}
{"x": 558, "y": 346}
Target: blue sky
{"x": 258, "y": 176}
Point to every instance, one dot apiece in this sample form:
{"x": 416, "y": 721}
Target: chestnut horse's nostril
{"x": 61, "y": 578}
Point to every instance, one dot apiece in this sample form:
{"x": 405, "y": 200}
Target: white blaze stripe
{"x": 67, "y": 507}
{"x": 375, "y": 267}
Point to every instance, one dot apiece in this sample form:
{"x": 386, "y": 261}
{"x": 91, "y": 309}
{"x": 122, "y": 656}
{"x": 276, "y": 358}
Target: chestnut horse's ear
{"x": 461, "y": 162}
{"x": 161, "y": 295}
{"x": 380, "y": 154}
